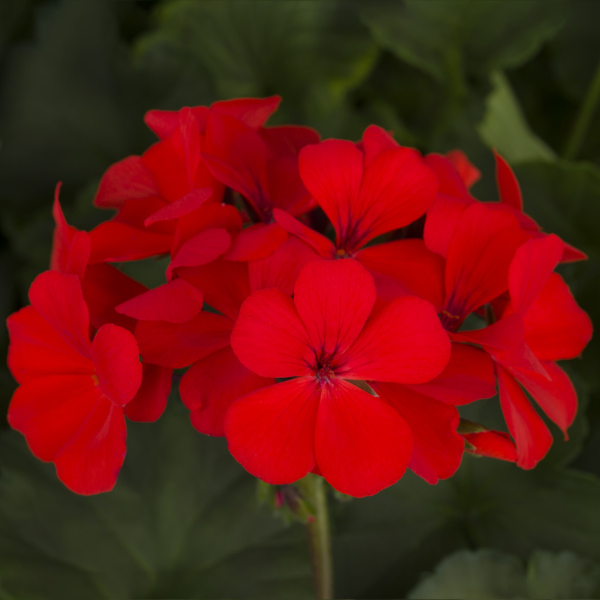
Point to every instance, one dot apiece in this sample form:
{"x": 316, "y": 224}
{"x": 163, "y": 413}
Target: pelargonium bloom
{"x": 539, "y": 325}
{"x": 367, "y": 190}
{"x": 455, "y": 174}
{"x": 324, "y": 339}
{"x": 260, "y": 164}
{"x": 168, "y": 182}
{"x": 105, "y": 288}
{"x": 69, "y": 405}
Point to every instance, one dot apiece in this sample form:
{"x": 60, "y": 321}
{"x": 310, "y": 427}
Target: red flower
{"x": 481, "y": 249}
{"x": 453, "y": 199}
{"x": 69, "y": 405}
{"x": 324, "y": 339}
{"x": 104, "y": 288}
{"x": 261, "y": 164}
{"x": 540, "y": 325}
{"x": 367, "y": 190}
{"x": 168, "y": 182}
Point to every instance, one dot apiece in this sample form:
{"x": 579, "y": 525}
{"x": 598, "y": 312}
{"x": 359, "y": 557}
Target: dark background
{"x": 76, "y": 77}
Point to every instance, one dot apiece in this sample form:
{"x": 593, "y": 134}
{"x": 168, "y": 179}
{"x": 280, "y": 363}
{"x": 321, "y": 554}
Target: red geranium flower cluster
{"x": 345, "y": 356}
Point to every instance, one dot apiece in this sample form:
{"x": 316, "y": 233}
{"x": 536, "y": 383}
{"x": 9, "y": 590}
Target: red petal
{"x": 135, "y": 212}
{"x": 362, "y": 445}
{"x": 126, "y": 179}
{"x": 451, "y": 183}
{"x": 438, "y": 448}
{"x": 181, "y": 344}
{"x": 174, "y": 302}
{"x": 521, "y": 360}
{"x": 169, "y": 170}
{"x": 508, "y": 186}
{"x": 91, "y": 461}
{"x": 494, "y": 444}
{"x": 151, "y": 399}
{"x": 572, "y": 254}
{"x": 403, "y": 343}
{"x": 557, "y": 397}
{"x": 334, "y": 300}
{"x": 254, "y": 112}
{"x": 210, "y": 385}
{"x": 185, "y": 205}
{"x": 104, "y": 287}
{"x": 503, "y": 335}
{"x": 59, "y": 300}
{"x": 225, "y": 284}
{"x": 397, "y": 189}
{"x": 187, "y": 141}
{"x": 410, "y": 264}
{"x": 321, "y": 244}
{"x": 117, "y": 242}
{"x": 469, "y": 376}
{"x": 49, "y": 411}
{"x": 332, "y": 172}
{"x": 376, "y": 140}
{"x": 527, "y": 428}
{"x": 201, "y": 249}
{"x": 162, "y": 122}
{"x": 257, "y": 241}
{"x": 556, "y": 328}
{"x": 209, "y": 216}
{"x": 504, "y": 341}
{"x": 286, "y": 190}
{"x": 271, "y": 432}
{"x": 442, "y": 218}
{"x": 38, "y": 350}
{"x": 281, "y": 269}
{"x": 288, "y": 140}
{"x": 269, "y": 337}
{"x": 530, "y": 268}
{"x": 482, "y": 247}
{"x": 70, "y": 248}
{"x": 116, "y": 358}
{"x": 467, "y": 171}
{"x": 237, "y": 156}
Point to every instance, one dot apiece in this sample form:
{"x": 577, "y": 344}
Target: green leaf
{"x": 485, "y": 574}
{"x": 562, "y": 575}
{"x": 301, "y": 50}
{"x": 504, "y": 127}
{"x": 383, "y": 543}
{"x": 182, "y": 522}
{"x": 450, "y": 39}
{"x": 496, "y": 575}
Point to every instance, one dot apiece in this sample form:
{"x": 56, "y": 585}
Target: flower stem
{"x": 320, "y": 539}
{"x": 584, "y": 117}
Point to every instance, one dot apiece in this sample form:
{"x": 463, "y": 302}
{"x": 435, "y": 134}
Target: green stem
{"x": 320, "y": 540}
{"x": 584, "y": 117}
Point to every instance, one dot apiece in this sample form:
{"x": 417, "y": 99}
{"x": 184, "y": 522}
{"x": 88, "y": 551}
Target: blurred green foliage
{"x": 184, "y": 519}
{"x": 489, "y": 575}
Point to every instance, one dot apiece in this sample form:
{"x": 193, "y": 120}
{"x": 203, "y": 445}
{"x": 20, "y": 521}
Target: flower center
{"x": 322, "y": 369}
{"x": 324, "y": 374}
{"x": 449, "y": 321}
